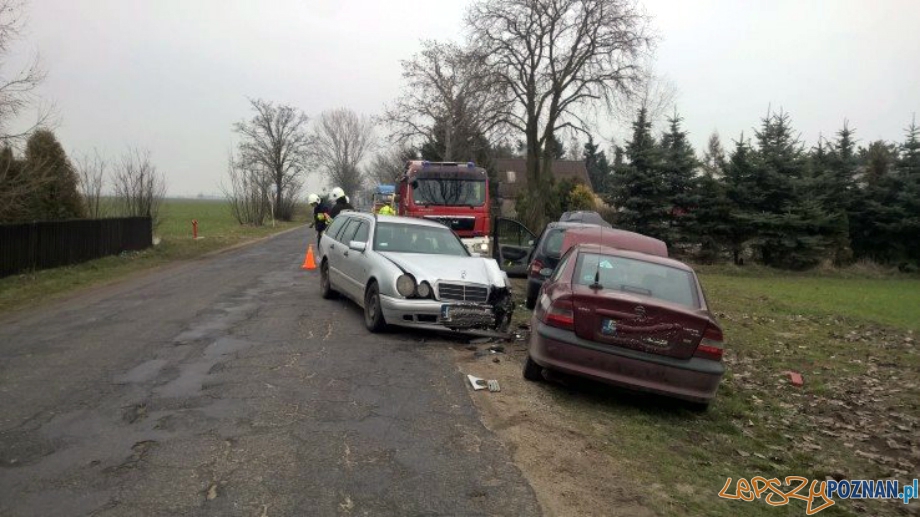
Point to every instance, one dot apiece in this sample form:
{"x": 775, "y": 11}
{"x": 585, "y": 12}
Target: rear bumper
{"x": 693, "y": 379}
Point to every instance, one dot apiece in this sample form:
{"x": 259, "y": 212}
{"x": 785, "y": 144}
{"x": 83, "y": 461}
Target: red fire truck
{"x": 455, "y": 194}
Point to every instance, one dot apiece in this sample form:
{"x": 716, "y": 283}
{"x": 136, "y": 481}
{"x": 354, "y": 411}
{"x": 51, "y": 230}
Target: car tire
{"x": 531, "y": 301}
{"x": 373, "y": 312}
{"x": 532, "y": 371}
{"x": 325, "y": 285}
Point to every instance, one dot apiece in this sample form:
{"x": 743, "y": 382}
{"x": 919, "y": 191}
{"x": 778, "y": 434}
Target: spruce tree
{"x": 831, "y": 179}
{"x": 597, "y": 165}
{"x": 740, "y": 191}
{"x": 639, "y": 189}
{"x": 59, "y": 196}
{"x": 908, "y": 195}
{"x": 714, "y": 161}
{"x": 876, "y": 216}
{"x": 678, "y": 168}
{"x": 790, "y": 228}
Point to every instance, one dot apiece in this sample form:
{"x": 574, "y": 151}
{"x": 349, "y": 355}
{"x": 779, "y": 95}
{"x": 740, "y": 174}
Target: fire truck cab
{"x": 455, "y": 194}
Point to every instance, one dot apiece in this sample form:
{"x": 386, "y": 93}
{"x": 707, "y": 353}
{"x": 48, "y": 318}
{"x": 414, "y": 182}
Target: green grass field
{"x": 216, "y": 230}
{"x": 856, "y": 416}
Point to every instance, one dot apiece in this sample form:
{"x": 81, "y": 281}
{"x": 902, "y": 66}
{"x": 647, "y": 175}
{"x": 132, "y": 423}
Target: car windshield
{"x": 449, "y": 192}
{"x": 412, "y": 238}
{"x": 637, "y": 277}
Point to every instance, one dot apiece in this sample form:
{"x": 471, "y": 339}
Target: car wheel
{"x": 532, "y": 291}
{"x": 532, "y": 371}
{"x": 373, "y": 312}
{"x": 325, "y": 285}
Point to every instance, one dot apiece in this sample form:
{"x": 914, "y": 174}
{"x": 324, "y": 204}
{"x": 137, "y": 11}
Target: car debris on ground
{"x": 481, "y": 384}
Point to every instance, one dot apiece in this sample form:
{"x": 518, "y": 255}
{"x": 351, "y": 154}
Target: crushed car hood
{"x": 435, "y": 268}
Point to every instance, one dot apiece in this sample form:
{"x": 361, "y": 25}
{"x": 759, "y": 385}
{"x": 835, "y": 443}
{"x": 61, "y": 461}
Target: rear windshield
{"x": 411, "y": 238}
{"x": 553, "y": 245}
{"x": 637, "y": 277}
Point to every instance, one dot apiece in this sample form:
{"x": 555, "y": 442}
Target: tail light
{"x": 560, "y": 313}
{"x": 710, "y": 346}
{"x": 535, "y": 267}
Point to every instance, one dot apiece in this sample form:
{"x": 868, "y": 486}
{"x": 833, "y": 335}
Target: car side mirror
{"x": 357, "y": 246}
{"x": 547, "y": 271}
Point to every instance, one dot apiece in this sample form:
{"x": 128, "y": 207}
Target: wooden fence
{"x": 47, "y": 244}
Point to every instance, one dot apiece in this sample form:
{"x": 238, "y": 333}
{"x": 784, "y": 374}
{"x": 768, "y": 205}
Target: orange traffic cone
{"x": 308, "y": 261}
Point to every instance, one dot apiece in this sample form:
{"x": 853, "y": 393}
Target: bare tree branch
{"x": 449, "y": 95}
{"x": 386, "y": 166}
{"x": 17, "y": 89}
{"x": 249, "y": 193}
{"x": 342, "y": 140}
{"x": 139, "y": 187}
{"x": 91, "y": 171}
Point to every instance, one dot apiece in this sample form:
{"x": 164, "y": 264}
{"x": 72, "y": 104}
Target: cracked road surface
{"x": 227, "y": 386}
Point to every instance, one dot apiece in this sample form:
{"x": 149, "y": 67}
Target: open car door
{"x": 512, "y": 244}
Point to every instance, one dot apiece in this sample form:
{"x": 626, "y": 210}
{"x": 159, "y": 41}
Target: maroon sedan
{"x": 630, "y": 319}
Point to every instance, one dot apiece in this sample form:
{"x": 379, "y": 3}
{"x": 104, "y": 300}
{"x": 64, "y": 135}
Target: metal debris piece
{"x": 477, "y": 383}
{"x": 493, "y": 385}
{"x": 497, "y": 349}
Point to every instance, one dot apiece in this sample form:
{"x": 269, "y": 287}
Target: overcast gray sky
{"x": 172, "y": 76}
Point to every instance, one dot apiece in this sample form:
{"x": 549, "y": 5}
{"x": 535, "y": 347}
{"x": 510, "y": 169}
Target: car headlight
{"x": 482, "y": 247}
{"x": 405, "y": 285}
{"x": 424, "y": 290}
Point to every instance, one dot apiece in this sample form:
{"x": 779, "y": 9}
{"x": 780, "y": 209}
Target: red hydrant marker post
{"x": 195, "y": 229}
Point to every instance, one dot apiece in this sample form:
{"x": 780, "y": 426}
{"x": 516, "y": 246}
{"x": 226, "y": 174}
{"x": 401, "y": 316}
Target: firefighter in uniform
{"x": 386, "y": 210}
{"x": 320, "y": 216}
{"x": 340, "y": 202}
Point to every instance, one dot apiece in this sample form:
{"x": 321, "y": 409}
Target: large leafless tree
{"x": 342, "y": 140}
{"x": 560, "y": 59}
{"x": 450, "y": 96}
{"x": 276, "y": 142}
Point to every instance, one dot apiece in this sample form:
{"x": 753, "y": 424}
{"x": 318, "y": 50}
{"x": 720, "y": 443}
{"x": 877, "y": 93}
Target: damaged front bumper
{"x": 494, "y": 316}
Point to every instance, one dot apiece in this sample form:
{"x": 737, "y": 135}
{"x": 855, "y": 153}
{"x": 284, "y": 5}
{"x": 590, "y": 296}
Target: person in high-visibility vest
{"x": 386, "y": 210}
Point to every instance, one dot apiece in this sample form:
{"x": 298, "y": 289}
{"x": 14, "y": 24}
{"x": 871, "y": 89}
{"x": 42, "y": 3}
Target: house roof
{"x": 512, "y": 174}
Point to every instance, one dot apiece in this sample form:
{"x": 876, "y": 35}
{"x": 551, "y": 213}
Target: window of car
{"x": 348, "y": 233}
{"x": 336, "y": 227}
{"x": 637, "y": 277}
{"x": 552, "y": 246}
{"x": 362, "y": 232}
{"x": 412, "y": 238}
{"x": 557, "y": 274}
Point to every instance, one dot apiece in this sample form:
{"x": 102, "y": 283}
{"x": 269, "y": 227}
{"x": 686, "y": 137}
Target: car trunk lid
{"x": 638, "y": 322}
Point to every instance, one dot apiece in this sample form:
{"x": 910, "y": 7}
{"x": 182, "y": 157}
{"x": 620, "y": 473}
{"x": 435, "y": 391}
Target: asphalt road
{"x": 227, "y": 386}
